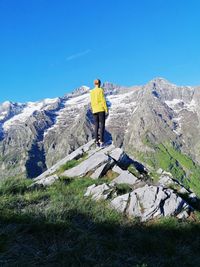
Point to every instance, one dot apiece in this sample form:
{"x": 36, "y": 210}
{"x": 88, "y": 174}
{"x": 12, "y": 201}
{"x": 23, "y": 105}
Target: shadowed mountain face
{"x": 35, "y": 135}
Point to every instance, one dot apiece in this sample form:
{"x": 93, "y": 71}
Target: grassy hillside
{"x": 57, "y": 226}
{"x": 170, "y": 159}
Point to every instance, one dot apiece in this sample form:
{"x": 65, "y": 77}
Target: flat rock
{"x": 117, "y": 154}
{"x": 98, "y": 192}
{"x": 88, "y": 165}
{"x": 104, "y": 150}
{"x": 125, "y": 178}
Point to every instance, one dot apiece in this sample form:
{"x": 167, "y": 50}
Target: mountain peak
{"x": 160, "y": 81}
{"x": 79, "y": 91}
{"x": 6, "y": 104}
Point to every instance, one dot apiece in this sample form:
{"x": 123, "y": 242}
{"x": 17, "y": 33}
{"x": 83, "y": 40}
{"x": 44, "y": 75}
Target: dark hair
{"x": 99, "y": 82}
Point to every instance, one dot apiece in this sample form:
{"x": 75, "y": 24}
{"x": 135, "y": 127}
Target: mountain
{"x": 153, "y": 121}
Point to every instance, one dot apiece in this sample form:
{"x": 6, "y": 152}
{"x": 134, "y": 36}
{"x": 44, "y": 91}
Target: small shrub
{"x": 123, "y": 189}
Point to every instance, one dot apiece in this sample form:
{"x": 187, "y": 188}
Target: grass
{"x": 134, "y": 171}
{"x": 58, "y": 226}
{"x": 66, "y": 166}
{"x": 182, "y": 167}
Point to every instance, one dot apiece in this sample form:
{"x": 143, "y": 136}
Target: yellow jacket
{"x": 98, "y": 102}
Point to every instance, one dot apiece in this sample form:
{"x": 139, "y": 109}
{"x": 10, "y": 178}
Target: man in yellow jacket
{"x": 99, "y": 110}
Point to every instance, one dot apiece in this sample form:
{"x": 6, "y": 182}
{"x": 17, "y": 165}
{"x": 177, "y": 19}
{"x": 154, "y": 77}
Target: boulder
{"x": 98, "y": 192}
{"x": 120, "y": 203}
{"x": 150, "y": 202}
{"x": 174, "y": 204}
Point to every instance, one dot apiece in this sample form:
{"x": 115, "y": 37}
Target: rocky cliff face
{"x": 35, "y": 135}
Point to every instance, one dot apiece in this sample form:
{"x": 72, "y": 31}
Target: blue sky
{"x": 50, "y": 47}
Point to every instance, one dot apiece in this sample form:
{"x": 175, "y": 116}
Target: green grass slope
{"x": 58, "y": 226}
{"x": 172, "y": 160}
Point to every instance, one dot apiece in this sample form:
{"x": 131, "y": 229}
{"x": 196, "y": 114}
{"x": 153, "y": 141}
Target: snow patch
{"x": 119, "y": 104}
{"x": 79, "y": 100}
{"x": 70, "y": 104}
{"x": 191, "y": 106}
{"x": 173, "y": 102}
{"x": 28, "y": 110}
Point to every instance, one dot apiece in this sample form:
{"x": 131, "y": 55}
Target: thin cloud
{"x": 77, "y": 55}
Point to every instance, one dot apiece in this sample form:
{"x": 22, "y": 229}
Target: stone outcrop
{"x": 125, "y": 192}
{"x": 147, "y": 202}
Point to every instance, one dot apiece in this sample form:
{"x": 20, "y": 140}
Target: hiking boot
{"x": 102, "y": 145}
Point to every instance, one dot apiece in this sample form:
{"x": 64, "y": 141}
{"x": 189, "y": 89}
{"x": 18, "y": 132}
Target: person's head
{"x": 97, "y": 82}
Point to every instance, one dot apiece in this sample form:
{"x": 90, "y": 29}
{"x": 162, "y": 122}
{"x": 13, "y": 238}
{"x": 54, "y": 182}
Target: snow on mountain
{"x": 28, "y": 110}
{"x": 3, "y": 115}
{"x": 192, "y": 106}
{"x": 69, "y": 107}
{"x": 119, "y": 104}
{"x": 9, "y": 109}
{"x": 178, "y": 104}
{"x": 173, "y": 102}
{"x": 79, "y": 100}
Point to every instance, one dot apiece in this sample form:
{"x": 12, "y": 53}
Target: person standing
{"x": 99, "y": 110}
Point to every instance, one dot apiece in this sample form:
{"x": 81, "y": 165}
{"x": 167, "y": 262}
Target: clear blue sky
{"x": 49, "y": 47}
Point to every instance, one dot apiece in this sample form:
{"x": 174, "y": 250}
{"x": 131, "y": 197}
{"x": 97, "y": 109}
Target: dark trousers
{"x": 99, "y": 123}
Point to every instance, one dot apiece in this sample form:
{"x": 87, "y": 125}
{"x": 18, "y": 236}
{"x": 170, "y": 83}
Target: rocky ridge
{"x": 130, "y": 188}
